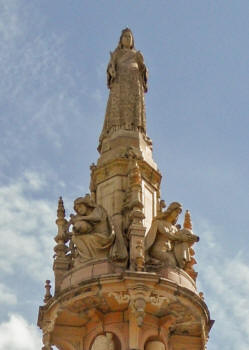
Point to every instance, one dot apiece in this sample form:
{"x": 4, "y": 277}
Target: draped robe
{"x": 127, "y": 77}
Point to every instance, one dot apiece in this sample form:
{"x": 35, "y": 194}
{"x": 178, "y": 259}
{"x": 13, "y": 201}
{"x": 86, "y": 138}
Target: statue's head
{"x": 172, "y": 212}
{"x": 83, "y": 202}
{"x": 126, "y": 39}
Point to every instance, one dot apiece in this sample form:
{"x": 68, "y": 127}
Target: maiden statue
{"x": 166, "y": 244}
{"x": 127, "y": 80}
{"x": 93, "y": 235}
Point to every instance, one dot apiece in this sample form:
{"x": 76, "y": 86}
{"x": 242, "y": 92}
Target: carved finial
{"x": 61, "y": 222}
{"x": 47, "y": 295}
{"x": 61, "y": 259}
{"x": 187, "y": 221}
{"x": 60, "y": 249}
{"x": 61, "y": 209}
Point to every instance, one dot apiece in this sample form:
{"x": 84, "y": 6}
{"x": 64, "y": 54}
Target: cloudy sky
{"x": 53, "y": 96}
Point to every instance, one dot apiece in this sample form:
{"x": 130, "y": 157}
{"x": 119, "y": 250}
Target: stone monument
{"x": 123, "y": 267}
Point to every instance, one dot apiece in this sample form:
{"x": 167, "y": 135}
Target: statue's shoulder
{"x": 115, "y": 54}
{"x": 100, "y": 210}
{"x": 139, "y": 54}
{"x": 165, "y": 225}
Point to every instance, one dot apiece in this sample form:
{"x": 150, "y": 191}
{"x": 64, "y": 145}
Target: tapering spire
{"x": 61, "y": 209}
{"x": 187, "y": 221}
{"x": 62, "y": 260}
{"x": 61, "y": 223}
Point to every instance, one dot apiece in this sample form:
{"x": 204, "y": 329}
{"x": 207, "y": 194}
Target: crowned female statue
{"x": 127, "y": 80}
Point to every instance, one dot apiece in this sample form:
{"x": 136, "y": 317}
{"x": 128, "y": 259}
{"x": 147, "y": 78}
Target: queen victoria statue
{"x": 127, "y": 80}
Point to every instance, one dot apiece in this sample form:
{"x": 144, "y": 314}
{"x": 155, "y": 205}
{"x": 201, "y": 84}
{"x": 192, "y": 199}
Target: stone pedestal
{"x": 139, "y": 309}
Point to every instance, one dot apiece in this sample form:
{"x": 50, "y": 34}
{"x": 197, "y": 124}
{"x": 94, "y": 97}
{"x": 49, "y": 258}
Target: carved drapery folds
{"x": 127, "y": 80}
{"x": 90, "y": 233}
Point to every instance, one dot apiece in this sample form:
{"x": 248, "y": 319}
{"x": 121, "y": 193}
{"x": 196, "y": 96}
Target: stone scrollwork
{"x": 121, "y": 297}
{"x": 157, "y": 299}
{"x": 137, "y": 298}
{"x": 141, "y": 296}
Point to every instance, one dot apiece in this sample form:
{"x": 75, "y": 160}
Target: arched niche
{"x": 154, "y": 345}
{"x": 106, "y": 341}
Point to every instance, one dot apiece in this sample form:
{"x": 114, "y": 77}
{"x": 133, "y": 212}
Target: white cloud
{"x": 9, "y": 26}
{"x": 37, "y": 87}
{"x": 226, "y": 280}
{"x": 27, "y": 227}
{"x": 35, "y": 181}
{"x": 7, "y": 296}
{"x": 17, "y": 334}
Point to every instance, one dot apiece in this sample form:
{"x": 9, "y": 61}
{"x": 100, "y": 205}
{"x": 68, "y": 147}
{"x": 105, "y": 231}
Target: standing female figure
{"x": 127, "y": 80}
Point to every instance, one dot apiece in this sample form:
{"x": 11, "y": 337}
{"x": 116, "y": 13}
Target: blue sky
{"x": 53, "y": 96}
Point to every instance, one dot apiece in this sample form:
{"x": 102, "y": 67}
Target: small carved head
{"x": 173, "y": 211}
{"x": 83, "y": 201}
{"x": 126, "y": 36}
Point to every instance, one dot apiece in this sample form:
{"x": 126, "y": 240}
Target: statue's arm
{"x": 185, "y": 235}
{"x": 143, "y": 69}
{"x": 95, "y": 216}
{"x": 165, "y": 231}
{"x": 111, "y": 70}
